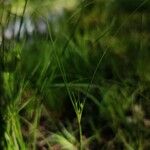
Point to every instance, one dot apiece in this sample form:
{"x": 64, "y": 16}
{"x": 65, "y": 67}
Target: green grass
{"x": 84, "y": 86}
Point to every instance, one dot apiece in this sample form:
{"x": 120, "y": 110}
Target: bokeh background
{"x": 75, "y": 74}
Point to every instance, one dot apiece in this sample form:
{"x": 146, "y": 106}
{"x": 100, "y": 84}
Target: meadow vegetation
{"x": 75, "y": 75}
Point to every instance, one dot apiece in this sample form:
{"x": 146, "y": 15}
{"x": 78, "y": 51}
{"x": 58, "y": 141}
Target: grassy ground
{"x": 83, "y": 84}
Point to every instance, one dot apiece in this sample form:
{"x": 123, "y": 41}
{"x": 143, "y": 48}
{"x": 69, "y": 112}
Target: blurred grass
{"x": 84, "y": 84}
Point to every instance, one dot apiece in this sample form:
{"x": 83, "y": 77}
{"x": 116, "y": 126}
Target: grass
{"x": 84, "y": 85}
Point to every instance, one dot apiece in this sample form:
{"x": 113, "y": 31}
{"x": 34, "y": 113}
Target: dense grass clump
{"x": 74, "y": 75}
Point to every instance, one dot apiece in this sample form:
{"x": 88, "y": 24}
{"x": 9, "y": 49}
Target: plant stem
{"x": 80, "y": 135}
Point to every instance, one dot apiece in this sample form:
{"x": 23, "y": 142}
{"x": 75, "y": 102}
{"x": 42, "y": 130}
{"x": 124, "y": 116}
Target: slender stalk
{"x": 80, "y": 135}
{"x": 2, "y": 92}
{"x": 22, "y": 17}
